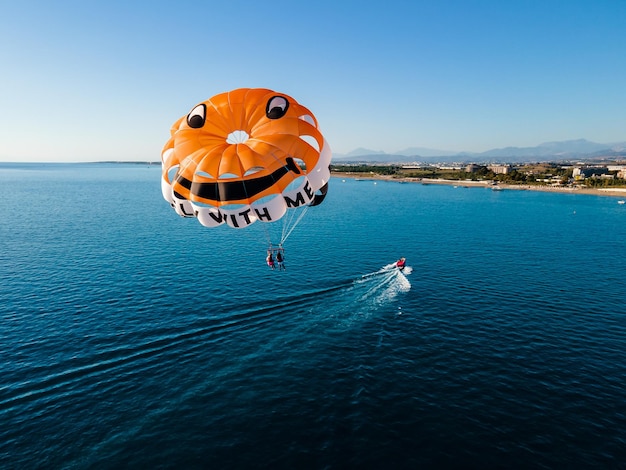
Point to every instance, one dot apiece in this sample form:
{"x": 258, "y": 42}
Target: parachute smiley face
{"x": 246, "y": 155}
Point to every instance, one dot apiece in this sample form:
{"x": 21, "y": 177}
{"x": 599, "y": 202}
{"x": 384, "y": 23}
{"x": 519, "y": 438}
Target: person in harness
{"x": 280, "y": 260}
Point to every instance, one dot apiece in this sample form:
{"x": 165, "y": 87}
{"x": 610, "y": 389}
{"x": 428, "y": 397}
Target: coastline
{"x": 613, "y": 192}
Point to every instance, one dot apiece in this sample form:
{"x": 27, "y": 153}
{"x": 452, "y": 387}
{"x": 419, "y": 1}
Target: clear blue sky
{"x": 100, "y": 80}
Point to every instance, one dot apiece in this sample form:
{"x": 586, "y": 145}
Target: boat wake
{"x": 385, "y": 284}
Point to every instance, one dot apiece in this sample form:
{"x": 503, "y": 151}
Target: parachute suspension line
{"x": 295, "y": 224}
{"x": 288, "y": 223}
{"x": 287, "y": 220}
{"x": 267, "y": 234}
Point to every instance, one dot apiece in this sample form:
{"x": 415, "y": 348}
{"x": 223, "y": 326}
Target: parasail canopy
{"x": 243, "y": 156}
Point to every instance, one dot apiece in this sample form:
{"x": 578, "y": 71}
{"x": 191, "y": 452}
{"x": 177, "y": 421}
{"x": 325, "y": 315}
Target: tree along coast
{"x": 615, "y": 191}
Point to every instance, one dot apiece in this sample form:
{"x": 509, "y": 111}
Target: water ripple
{"x": 126, "y": 346}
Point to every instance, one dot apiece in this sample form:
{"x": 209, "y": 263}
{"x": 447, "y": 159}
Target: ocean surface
{"x": 133, "y": 338}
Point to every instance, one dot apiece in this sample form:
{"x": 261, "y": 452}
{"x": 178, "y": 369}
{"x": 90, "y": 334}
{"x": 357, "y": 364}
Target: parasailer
{"x": 243, "y": 156}
{"x": 270, "y": 259}
{"x": 280, "y": 260}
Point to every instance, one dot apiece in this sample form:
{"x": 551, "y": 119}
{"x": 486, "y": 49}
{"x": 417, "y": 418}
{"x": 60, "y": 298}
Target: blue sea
{"x": 133, "y": 338}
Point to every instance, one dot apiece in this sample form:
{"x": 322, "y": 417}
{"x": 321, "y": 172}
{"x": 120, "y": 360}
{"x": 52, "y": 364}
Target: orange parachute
{"x": 243, "y": 156}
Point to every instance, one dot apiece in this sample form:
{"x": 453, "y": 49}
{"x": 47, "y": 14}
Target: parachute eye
{"x": 197, "y": 116}
{"x": 276, "y": 107}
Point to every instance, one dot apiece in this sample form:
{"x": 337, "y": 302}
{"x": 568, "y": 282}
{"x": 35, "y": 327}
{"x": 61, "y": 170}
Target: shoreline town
{"x": 614, "y": 192}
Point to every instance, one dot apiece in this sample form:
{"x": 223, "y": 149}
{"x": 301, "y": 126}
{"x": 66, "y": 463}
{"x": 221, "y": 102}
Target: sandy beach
{"x": 614, "y": 192}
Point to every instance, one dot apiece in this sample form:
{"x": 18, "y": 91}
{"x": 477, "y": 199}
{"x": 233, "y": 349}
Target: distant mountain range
{"x": 548, "y": 151}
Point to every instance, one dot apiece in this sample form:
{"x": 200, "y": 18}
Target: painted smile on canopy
{"x": 236, "y": 190}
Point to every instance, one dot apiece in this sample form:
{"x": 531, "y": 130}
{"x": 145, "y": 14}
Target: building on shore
{"x": 582, "y": 173}
{"x": 500, "y": 169}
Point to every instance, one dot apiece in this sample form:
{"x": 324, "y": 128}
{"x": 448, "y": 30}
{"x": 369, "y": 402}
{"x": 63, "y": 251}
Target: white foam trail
{"x": 384, "y": 284}
{"x": 403, "y": 283}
